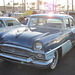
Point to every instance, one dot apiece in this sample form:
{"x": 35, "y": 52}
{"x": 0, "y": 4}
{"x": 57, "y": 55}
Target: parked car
{"x": 48, "y": 38}
{"x": 30, "y": 12}
{"x": 8, "y": 23}
{"x": 72, "y": 14}
{"x": 17, "y": 15}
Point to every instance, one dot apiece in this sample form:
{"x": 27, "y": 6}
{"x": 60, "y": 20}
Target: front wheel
{"x": 55, "y": 60}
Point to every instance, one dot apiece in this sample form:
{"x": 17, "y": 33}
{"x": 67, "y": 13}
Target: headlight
{"x": 38, "y": 46}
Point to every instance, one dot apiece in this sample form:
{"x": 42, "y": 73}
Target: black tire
{"x": 55, "y": 60}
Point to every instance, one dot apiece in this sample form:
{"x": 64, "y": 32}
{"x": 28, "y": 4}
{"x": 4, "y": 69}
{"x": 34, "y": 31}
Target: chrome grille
{"x": 15, "y": 51}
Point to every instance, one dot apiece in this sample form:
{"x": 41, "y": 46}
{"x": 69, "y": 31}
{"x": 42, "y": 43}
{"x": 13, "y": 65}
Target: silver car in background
{"x": 8, "y": 23}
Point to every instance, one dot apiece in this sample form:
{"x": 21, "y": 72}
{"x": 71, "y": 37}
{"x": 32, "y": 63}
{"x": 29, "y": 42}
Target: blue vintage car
{"x": 47, "y": 38}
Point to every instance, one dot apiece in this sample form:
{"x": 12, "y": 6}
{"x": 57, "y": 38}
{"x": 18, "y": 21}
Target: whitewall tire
{"x": 55, "y": 60}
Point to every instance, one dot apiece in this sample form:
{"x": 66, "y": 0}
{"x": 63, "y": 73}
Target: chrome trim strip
{"x": 28, "y": 60}
{"x": 57, "y": 47}
{"x": 49, "y": 53}
{"x": 21, "y": 48}
{"x": 3, "y": 55}
{"x": 32, "y": 50}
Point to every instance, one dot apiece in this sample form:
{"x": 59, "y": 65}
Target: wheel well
{"x": 60, "y": 52}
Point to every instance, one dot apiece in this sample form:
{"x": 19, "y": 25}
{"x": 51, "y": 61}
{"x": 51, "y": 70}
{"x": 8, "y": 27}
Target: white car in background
{"x": 8, "y": 23}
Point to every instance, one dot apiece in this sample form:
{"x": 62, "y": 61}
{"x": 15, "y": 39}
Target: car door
{"x": 72, "y": 23}
{"x": 67, "y": 34}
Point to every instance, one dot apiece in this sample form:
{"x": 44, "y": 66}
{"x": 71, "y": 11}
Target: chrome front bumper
{"x": 28, "y": 60}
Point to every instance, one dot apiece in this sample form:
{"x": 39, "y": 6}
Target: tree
{"x": 38, "y": 4}
{"x": 67, "y": 4}
{"x": 72, "y": 5}
{"x": 24, "y": 5}
{"x": 63, "y": 7}
{"x": 15, "y": 3}
{"x": 4, "y": 4}
{"x": 59, "y": 5}
{"x": 32, "y": 5}
{"x": 8, "y": 3}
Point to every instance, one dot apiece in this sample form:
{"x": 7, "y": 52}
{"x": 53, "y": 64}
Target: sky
{"x": 62, "y": 2}
{"x": 20, "y": 1}
{"x": 11, "y": 1}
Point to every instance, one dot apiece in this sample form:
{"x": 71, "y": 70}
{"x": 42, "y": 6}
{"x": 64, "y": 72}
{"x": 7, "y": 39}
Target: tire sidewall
{"x": 55, "y": 60}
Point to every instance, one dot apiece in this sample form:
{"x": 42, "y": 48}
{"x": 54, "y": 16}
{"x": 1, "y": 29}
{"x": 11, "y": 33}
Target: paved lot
{"x": 66, "y": 66}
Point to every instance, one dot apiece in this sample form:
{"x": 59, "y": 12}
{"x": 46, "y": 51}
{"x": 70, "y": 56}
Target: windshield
{"x": 47, "y": 22}
{"x": 12, "y": 23}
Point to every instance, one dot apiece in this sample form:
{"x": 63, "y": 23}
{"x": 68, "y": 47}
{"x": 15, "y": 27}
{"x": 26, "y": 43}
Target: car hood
{"x": 26, "y": 38}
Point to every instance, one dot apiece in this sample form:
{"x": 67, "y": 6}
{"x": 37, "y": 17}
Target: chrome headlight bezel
{"x": 38, "y": 46}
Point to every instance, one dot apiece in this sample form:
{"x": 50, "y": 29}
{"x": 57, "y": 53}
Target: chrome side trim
{"x": 62, "y": 46}
{"x": 48, "y": 55}
{"x": 27, "y": 60}
{"x": 57, "y": 47}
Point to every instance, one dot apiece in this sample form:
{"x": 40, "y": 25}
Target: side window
{"x": 67, "y": 22}
{"x": 41, "y": 21}
{"x": 33, "y": 22}
{"x": 71, "y": 22}
{"x": 1, "y": 23}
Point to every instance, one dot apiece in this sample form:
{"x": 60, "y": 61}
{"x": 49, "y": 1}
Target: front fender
{"x": 66, "y": 46}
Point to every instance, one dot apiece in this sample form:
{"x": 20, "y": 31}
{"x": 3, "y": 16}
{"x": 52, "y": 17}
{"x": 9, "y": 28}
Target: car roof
{"x": 53, "y": 15}
{"x": 19, "y": 13}
{"x": 7, "y": 18}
